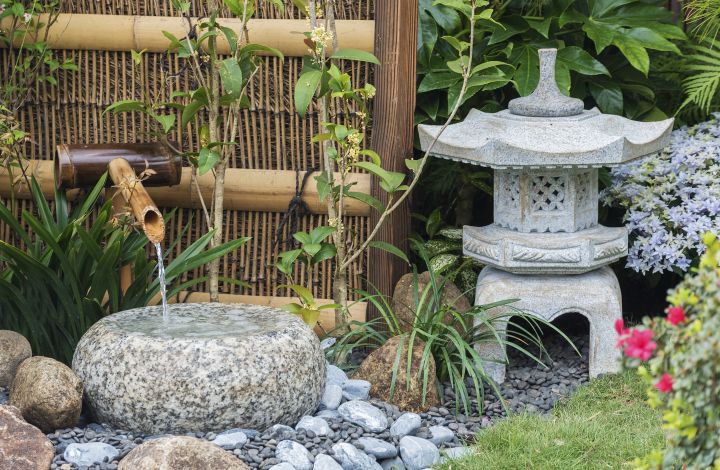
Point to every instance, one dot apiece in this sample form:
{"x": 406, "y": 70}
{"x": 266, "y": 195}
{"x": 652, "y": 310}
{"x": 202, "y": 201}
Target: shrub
{"x": 672, "y": 198}
{"x": 66, "y": 274}
{"x": 683, "y": 371}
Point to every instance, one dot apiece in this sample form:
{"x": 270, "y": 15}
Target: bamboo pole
{"x": 144, "y": 209}
{"x": 252, "y": 190}
{"x": 128, "y": 33}
{"x": 358, "y": 310}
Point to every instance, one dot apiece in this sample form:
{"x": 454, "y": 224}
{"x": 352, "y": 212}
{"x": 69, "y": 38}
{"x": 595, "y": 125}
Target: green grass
{"x": 605, "y": 424}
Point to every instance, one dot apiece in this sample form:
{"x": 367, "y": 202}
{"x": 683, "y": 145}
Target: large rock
{"x": 207, "y": 367}
{"x": 180, "y": 453}
{"x": 47, "y": 393}
{"x": 22, "y": 445}
{"x": 14, "y": 349}
{"x": 403, "y": 301}
{"x": 377, "y": 369}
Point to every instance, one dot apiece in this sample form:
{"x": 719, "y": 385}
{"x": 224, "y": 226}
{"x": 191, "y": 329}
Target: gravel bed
{"x": 528, "y": 387}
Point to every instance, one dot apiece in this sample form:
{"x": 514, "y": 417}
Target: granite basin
{"x": 208, "y": 367}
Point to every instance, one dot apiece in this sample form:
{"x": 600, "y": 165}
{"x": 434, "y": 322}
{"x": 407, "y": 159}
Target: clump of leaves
{"x": 449, "y": 344}
{"x": 66, "y": 275}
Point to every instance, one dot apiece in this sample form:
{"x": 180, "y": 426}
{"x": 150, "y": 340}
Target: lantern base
{"x": 595, "y": 295}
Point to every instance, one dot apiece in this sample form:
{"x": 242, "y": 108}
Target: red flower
{"x": 665, "y": 384}
{"x": 622, "y": 333}
{"x": 675, "y": 315}
{"x": 639, "y": 344}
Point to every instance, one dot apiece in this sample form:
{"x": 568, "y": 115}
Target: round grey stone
{"x": 325, "y": 462}
{"x": 208, "y": 367}
{"x": 331, "y": 397}
{"x": 364, "y": 414}
{"x": 356, "y": 390}
{"x": 352, "y": 458}
{"x": 406, "y": 424}
{"x": 393, "y": 464}
{"x": 318, "y": 426}
{"x": 91, "y": 453}
{"x": 282, "y": 466}
{"x": 230, "y": 439}
{"x": 295, "y": 454}
{"x": 418, "y": 453}
{"x": 440, "y": 435}
{"x": 335, "y": 375}
{"x": 377, "y": 447}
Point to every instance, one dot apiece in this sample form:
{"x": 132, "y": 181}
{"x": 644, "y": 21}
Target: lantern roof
{"x": 546, "y": 130}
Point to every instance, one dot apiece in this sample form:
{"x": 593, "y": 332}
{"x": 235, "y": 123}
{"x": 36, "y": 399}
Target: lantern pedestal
{"x": 595, "y": 295}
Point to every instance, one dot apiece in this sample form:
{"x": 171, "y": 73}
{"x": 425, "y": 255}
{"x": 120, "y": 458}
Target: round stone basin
{"x": 209, "y": 367}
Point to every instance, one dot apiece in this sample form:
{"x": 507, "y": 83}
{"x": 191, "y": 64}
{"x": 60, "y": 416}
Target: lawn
{"x": 605, "y": 424}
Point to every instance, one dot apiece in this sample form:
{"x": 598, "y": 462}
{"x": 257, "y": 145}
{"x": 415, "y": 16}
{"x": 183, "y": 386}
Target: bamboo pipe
{"x": 136, "y": 33}
{"x": 252, "y": 190}
{"x": 134, "y": 193}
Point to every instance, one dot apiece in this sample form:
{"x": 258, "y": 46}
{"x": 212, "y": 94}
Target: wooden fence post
{"x": 396, "y": 23}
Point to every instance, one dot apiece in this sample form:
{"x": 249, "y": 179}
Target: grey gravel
{"x": 352, "y": 458}
{"x": 529, "y": 386}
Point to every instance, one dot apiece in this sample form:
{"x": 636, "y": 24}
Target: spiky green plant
{"x": 65, "y": 275}
{"x": 701, "y": 86}
{"x": 449, "y": 343}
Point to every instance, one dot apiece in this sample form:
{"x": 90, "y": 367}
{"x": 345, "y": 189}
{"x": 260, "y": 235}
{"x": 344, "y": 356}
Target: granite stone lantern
{"x": 545, "y": 246}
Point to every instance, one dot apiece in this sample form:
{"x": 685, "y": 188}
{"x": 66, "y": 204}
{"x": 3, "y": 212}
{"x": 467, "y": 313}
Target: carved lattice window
{"x": 548, "y": 193}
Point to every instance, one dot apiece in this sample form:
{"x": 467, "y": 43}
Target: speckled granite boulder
{"x": 47, "y": 393}
{"x": 14, "y": 349}
{"x": 22, "y": 445}
{"x": 210, "y": 367}
{"x": 180, "y": 453}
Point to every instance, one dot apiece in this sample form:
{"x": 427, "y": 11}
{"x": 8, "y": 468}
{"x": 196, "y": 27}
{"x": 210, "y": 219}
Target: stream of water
{"x": 161, "y": 278}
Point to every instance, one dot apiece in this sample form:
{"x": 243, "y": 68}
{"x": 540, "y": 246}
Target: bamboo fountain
{"x": 185, "y": 367}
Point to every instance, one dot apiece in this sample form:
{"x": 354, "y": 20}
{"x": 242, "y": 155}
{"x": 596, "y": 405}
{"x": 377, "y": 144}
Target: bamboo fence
{"x": 274, "y": 141}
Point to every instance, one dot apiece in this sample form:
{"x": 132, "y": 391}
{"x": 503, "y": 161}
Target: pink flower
{"x": 639, "y": 344}
{"x": 622, "y": 332}
{"x": 665, "y": 384}
{"x": 675, "y": 315}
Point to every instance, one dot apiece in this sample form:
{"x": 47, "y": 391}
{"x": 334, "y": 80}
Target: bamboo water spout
{"x": 82, "y": 165}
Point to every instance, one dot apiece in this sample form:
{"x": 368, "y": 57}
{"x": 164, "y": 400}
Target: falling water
{"x": 161, "y": 278}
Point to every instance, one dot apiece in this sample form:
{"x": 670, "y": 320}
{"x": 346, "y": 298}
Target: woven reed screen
{"x": 271, "y": 134}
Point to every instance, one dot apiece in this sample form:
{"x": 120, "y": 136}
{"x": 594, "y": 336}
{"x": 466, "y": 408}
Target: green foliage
{"x": 443, "y": 248}
{"x": 450, "y": 344}
{"x": 65, "y": 276}
{"x": 603, "y": 54}
{"x": 688, "y": 351}
{"x": 313, "y": 249}
{"x": 700, "y": 86}
{"x": 603, "y": 425}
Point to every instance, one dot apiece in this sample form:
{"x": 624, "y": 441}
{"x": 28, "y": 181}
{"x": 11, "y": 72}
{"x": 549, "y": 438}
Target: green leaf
{"x": 577, "y": 59}
{"x": 124, "y": 106}
{"x": 527, "y": 72}
{"x": 457, "y": 5}
{"x": 231, "y": 37}
{"x": 253, "y": 48}
{"x": 372, "y": 154}
{"x": 318, "y": 234}
{"x": 231, "y": 77}
{"x": 437, "y": 81}
{"x": 635, "y": 53}
{"x": 390, "y": 181}
{"x": 327, "y": 251}
{"x": 390, "y": 249}
{"x": 413, "y": 164}
{"x": 541, "y": 25}
{"x": 207, "y": 160}
{"x": 305, "y": 89}
{"x": 652, "y": 40}
{"x": 166, "y": 120}
{"x": 355, "y": 54}
{"x": 511, "y": 26}
{"x": 367, "y": 199}
{"x": 600, "y": 34}
{"x": 608, "y": 96}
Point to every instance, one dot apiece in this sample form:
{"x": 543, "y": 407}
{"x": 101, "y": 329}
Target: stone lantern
{"x": 545, "y": 246}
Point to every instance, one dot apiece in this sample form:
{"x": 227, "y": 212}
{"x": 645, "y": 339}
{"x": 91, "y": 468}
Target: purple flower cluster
{"x": 671, "y": 199}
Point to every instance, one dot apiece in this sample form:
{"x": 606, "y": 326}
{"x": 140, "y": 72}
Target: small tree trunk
{"x": 218, "y": 198}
